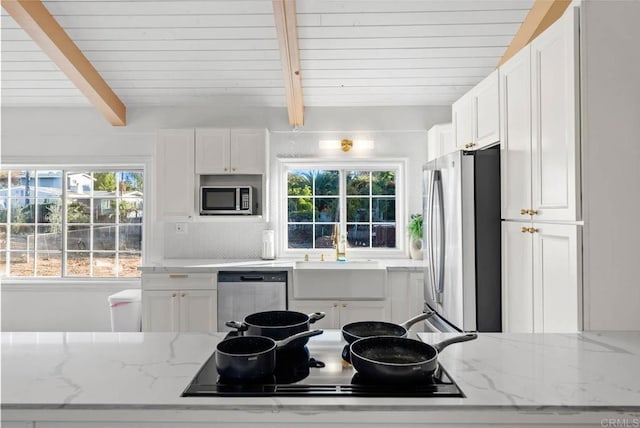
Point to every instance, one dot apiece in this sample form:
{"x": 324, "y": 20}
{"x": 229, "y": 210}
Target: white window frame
{"x": 400, "y": 165}
{"x": 141, "y": 165}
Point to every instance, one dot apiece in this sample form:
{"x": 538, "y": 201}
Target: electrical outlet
{"x": 181, "y": 228}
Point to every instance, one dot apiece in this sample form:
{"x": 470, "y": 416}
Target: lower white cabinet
{"x": 541, "y": 282}
{"x": 406, "y": 290}
{"x": 339, "y": 313}
{"x": 179, "y": 302}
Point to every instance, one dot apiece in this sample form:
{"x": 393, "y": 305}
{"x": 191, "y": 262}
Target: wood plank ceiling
{"x": 225, "y": 52}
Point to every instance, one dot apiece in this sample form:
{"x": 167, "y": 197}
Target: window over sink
{"x": 78, "y": 222}
{"x": 359, "y": 200}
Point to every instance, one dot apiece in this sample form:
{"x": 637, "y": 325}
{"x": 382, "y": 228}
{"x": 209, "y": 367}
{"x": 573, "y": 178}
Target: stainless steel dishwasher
{"x": 241, "y": 293}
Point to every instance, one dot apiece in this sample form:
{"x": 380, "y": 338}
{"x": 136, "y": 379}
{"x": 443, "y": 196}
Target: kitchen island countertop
{"x": 542, "y": 378}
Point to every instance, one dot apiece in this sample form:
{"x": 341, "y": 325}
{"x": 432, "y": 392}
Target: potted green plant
{"x": 415, "y": 236}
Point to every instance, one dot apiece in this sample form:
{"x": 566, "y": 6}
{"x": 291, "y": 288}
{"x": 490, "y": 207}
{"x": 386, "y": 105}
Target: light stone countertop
{"x": 214, "y": 265}
{"x": 150, "y": 370}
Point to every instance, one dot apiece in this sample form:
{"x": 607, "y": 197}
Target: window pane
{"x": 79, "y": 183}
{"x": 130, "y": 238}
{"x": 358, "y": 209}
{"x": 79, "y": 211}
{"x": 326, "y": 183}
{"x": 104, "y": 210}
{"x": 300, "y": 209}
{"x": 383, "y": 235}
{"x": 4, "y": 202}
{"x": 78, "y": 238}
{"x": 384, "y": 182}
{"x": 128, "y": 264}
{"x": 22, "y": 238}
{"x": 78, "y": 264}
{"x": 49, "y": 184}
{"x": 50, "y": 211}
{"x": 21, "y": 264}
{"x": 104, "y": 238}
{"x": 22, "y": 210}
{"x": 358, "y": 183}
{"x": 4, "y": 180}
{"x": 324, "y": 235}
{"x": 326, "y": 210}
{"x": 49, "y": 238}
{"x": 104, "y": 182}
{"x": 3, "y": 237}
{"x": 300, "y": 236}
{"x": 358, "y": 235}
{"x": 299, "y": 183}
{"x": 130, "y": 208}
{"x": 131, "y": 182}
{"x": 384, "y": 209}
{"x": 49, "y": 264}
{"x": 104, "y": 264}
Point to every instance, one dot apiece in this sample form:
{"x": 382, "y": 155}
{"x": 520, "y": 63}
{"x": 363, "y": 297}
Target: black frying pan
{"x": 251, "y": 357}
{"x": 357, "y": 330}
{"x": 391, "y": 359}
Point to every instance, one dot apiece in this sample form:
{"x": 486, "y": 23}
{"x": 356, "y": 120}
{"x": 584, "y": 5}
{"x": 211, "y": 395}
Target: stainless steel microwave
{"x": 226, "y": 200}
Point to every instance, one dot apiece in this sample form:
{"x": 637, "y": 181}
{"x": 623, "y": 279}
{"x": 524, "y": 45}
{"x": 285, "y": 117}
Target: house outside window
{"x": 323, "y": 201}
{"x": 71, "y": 223}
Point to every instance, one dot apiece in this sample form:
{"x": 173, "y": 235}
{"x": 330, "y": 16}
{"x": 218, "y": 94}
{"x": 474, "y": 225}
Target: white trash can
{"x": 126, "y": 313}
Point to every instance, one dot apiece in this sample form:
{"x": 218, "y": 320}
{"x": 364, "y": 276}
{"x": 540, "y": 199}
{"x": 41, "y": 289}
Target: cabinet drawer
{"x": 364, "y": 284}
{"x": 164, "y": 281}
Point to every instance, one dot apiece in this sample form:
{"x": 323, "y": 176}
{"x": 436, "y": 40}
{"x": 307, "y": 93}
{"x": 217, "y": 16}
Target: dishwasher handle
{"x": 245, "y": 278}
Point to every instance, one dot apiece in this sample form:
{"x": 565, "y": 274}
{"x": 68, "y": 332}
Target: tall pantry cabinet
{"x": 570, "y": 168}
{"x": 540, "y": 155}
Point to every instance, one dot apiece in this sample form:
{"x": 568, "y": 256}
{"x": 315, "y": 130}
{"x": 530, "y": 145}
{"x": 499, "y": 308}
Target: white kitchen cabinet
{"x": 230, "y": 151}
{"x": 476, "y": 117}
{"x": 542, "y": 290}
{"x": 406, "y": 291}
{"x": 440, "y": 141}
{"x": 174, "y": 179}
{"x": 540, "y": 147}
{"x": 179, "y": 302}
{"x": 341, "y": 312}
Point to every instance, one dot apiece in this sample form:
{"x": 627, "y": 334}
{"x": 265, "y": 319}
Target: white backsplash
{"x": 203, "y": 240}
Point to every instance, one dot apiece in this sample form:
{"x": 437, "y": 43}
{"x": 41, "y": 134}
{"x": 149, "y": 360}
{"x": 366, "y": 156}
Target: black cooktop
{"x": 318, "y": 369}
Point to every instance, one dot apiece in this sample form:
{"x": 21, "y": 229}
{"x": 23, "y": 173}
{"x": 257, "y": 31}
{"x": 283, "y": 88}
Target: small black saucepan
{"x": 251, "y": 357}
{"x": 277, "y": 325}
{"x": 357, "y": 330}
{"x": 391, "y": 359}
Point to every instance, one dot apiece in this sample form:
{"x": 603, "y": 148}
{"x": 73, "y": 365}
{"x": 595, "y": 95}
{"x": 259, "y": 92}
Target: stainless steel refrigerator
{"x": 461, "y": 218}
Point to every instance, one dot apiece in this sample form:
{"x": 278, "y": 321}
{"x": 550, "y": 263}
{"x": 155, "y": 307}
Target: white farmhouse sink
{"x": 328, "y": 280}
{"x": 351, "y": 264}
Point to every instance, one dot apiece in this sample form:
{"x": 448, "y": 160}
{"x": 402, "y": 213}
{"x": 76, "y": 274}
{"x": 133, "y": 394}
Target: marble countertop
{"x": 150, "y": 370}
{"x": 213, "y": 265}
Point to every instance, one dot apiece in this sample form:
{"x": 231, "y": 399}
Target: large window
{"x": 71, "y": 223}
{"x": 360, "y": 202}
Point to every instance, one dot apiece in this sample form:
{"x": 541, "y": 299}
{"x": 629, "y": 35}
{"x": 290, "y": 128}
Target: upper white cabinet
{"x": 540, "y": 144}
{"x": 230, "y": 151}
{"x": 440, "y": 141}
{"x": 174, "y": 178}
{"x": 476, "y": 118}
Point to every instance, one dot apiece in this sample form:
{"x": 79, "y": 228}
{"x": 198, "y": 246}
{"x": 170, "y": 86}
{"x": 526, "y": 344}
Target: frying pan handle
{"x": 316, "y": 316}
{"x": 441, "y": 345}
{"x": 423, "y": 316}
{"x": 285, "y": 342}
{"x": 240, "y": 326}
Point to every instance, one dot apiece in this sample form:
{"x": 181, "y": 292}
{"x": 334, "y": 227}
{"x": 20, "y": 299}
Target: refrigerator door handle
{"x": 441, "y": 243}
{"x": 429, "y": 225}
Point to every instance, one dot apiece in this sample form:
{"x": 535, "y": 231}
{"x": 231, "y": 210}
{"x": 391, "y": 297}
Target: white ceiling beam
{"x": 284, "y": 12}
{"x": 36, "y": 20}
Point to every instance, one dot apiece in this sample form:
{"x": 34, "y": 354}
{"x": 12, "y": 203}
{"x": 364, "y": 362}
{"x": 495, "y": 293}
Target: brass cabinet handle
{"x": 226, "y": 169}
{"x": 335, "y": 305}
{"x": 533, "y": 230}
{"x": 344, "y": 305}
{"x": 524, "y": 229}
{"x": 174, "y": 294}
{"x": 532, "y": 212}
{"x": 524, "y": 211}
{"x": 178, "y": 275}
{"x": 183, "y": 294}
{"x": 233, "y": 169}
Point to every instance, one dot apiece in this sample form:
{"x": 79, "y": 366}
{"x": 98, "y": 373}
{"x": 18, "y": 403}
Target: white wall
{"x": 81, "y": 136}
